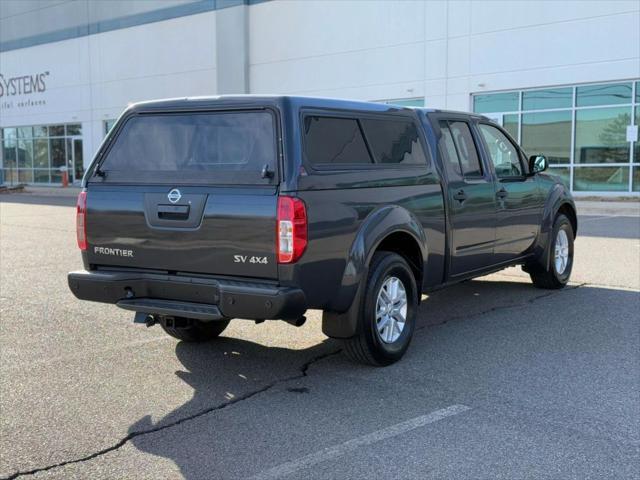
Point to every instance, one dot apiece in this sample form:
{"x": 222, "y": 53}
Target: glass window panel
{"x": 548, "y": 133}
{"x": 466, "y": 148}
{"x": 601, "y": 179}
{"x": 510, "y": 124}
{"x": 25, "y": 153}
{"x": 75, "y": 129}
{"x": 108, "y": 125}
{"x": 40, "y": 131}
{"x": 334, "y": 141}
{"x": 41, "y": 153}
{"x": 637, "y": 92}
{"x": 636, "y": 145}
{"x": 9, "y": 133}
{"x": 24, "y": 132}
{"x": 505, "y": 157}
{"x": 56, "y": 130}
{"x": 496, "y": 102}
{"x": 636, "y": 179}
{"x": 452, "y": 163}
{"x": 56, "y": 176}
{"x": 563, "y": 173}
{"x": 79, "y": 165}
{"x": 603, "y": 94}
{"x": 394, "y": 141}
{"x": 543, "y": 99}
{"x": 41, "y": 176}
{"x": 58, "y": 152}
{"x": 407, "y": 102}
{"x": 9, "y": 153}
{"x": 25, "y": 176}
{"x": 10, "y": 175}
{"x": 601, "y": 135}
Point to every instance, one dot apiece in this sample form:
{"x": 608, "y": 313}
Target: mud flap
{"x": 344, "y": 325}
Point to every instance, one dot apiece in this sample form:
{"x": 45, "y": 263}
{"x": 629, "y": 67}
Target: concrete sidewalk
{"x": 53, "y": 191}
{"x": 629, "y": 208}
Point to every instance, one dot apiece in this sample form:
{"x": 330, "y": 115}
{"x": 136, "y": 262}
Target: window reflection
{"x": 510, "y": 124}
{"x": 496, "y": 102}
{"x": 548, "y": 133}
{"x": 546, "y": 99}
{"x": 591, "y": 95}
{"x": 601, "y": 179}
{"x": 601, "y": 135}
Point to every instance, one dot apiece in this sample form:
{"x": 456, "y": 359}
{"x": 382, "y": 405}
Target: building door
{"x": 75, "y": 163}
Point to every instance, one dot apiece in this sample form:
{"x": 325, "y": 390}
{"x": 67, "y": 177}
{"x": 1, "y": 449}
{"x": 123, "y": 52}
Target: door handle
{"x": 173, "y": 212}
{"x": 460, "y": 196}
{"x": 502, "y": 193}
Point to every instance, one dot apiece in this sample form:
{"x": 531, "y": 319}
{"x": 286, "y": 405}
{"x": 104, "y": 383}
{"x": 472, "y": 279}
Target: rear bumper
{"x": 233, "y": 299}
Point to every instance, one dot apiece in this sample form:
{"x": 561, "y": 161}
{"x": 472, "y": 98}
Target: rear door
{"x": 471, "y": 198}
{"x": 192, "y": 192}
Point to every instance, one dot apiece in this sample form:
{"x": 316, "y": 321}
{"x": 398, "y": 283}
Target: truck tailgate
{"x": 210, "y": 230}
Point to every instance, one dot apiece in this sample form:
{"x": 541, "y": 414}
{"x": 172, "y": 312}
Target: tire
{"x": 380, "y": 348}
{"x": 194, "y": 330}
{"x": 556, "y": 274}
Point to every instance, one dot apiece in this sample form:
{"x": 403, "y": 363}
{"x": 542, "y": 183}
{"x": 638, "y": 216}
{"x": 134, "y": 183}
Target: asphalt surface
{"x": 502, "y": 380}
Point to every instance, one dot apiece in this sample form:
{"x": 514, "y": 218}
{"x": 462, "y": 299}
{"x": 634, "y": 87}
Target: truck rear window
{"x": 217, "y": 148}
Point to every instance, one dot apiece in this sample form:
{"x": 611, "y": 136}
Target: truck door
{"x": 471, "y": 198}
{"x": 518, "y": 198}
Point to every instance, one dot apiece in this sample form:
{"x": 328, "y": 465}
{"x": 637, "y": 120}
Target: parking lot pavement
{"x": 501, "y": 381}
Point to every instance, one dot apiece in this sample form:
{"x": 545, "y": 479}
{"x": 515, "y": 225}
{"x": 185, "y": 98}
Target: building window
{"x": 548, "y": 132}
{"x": 582, "y": 129}
{"x": 37, "y": 154}
{"x": 108, "y": 125}
{"x": 405, "y": 102}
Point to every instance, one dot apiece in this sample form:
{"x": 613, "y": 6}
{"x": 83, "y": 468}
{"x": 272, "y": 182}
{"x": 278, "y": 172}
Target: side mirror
{"x": 538, "y": 163}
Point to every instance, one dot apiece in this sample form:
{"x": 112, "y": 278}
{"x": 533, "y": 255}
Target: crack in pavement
{"x": 304, "y": 368}
{"x": 504, "y": 307}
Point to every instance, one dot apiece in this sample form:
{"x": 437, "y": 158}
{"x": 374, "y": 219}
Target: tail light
{"x": 292, "y": 229}
{"x": 81, "y": 221}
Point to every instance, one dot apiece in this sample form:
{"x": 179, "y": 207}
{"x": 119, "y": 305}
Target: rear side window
{"x": 334, "y": 141}
{"x": 221, "y": 147}
{"x": 458, "y": 139}
{"x": 394, "y": 141}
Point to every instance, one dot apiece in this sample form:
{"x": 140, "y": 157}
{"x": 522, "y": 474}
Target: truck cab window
{"x": 503, "y": 153}
{"x": 460, "y": 148}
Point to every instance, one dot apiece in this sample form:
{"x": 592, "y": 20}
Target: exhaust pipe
{"x": 297, "y": 322}
{"x": 147, "y": 319}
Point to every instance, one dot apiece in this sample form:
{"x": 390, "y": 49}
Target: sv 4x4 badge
{"x": 248, "y": 259}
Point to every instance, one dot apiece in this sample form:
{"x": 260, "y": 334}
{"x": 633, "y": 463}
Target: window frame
{"x": 521, "y": 157}
{"x": 471, "y": 120}
{"x": 468, "y": 123}
{"x": 358, "y": 116}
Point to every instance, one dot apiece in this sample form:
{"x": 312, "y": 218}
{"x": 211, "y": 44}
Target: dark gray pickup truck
{"x": 197, "y": 211}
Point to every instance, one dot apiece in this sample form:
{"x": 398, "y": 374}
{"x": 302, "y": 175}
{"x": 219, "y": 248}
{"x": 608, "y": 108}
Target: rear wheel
{"x": 386, "y": 319}
{"x": 190, "y": 330}
{"x": 557, "y": 273}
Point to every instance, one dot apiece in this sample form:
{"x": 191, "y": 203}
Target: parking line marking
{"x": 343, "y": 448}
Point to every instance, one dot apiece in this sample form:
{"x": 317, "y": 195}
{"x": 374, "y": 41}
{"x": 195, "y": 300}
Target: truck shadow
{"x": 205, "y": 371}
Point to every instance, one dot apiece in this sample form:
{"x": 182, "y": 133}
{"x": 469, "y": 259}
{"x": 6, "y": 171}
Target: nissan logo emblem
{"x": 174, "y": 195}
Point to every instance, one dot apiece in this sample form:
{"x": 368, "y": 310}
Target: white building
{"x": 564, "y": 74}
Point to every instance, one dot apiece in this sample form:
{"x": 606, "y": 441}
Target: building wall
{"x": 93, "y": 78}
{"x": 440, "y": 50}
